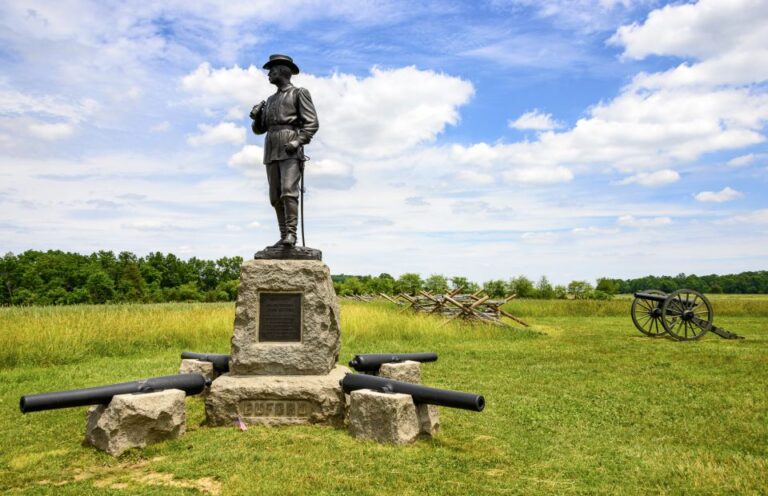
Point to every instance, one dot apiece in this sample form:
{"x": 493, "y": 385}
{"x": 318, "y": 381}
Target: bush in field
{"x": 580, "y": 290}
{"x": 436, "y": 284}
{"x": 409, "y": 282}
{"x": 465, "y": 284}
{"x": 522, "y": 287}
{"x": 100, "y": 287}
{"x": 495, "y": 289}
{"x": 609, "y": 286}
{"x": 544, "y": 289}
{"x": 561, "y": 292}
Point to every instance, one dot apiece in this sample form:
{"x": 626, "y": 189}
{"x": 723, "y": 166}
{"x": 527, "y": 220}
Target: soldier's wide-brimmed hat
{"x": 277, "y": 59}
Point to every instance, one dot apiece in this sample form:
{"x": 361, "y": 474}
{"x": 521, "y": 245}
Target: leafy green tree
{"x": 100, "y": 287}
{"x": 544, "y": 289}
{"x": 409, "y": 283}
{"x": 580, "y": 290}
{"x": 522, "y": 287}
{"x": 467, "y": 286}
{"x": 561, "y": 292}
{"x": 436, "y": 284}
{"x": 495, "y": 288}
{"x": 606, "y": 285}
{"x": 384, "y": 283}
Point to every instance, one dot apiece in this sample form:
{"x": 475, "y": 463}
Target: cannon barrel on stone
{"x": 372, "y": 361}
{"x": 189, "y": 383}
{"x": 220, "y": 361}
{"x": 420, "y": 394}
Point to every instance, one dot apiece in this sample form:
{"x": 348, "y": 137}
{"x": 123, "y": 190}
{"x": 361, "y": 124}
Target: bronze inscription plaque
{"x": 280, "y": 317}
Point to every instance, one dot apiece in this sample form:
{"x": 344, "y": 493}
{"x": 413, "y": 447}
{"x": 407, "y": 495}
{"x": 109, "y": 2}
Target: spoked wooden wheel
{"x": 646, "y": 315}
{"x": 686, "y": 315}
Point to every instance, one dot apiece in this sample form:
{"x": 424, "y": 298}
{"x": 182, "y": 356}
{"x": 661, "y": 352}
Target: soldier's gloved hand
{"x": 256, "y": 108}
{"x": 292, "y": 146}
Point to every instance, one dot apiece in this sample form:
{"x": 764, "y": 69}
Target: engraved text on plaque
{"x": 280, "y": 317}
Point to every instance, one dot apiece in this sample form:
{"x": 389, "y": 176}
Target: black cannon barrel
{"x": 420, "y": 394}
{"x": 220, "y": 362}
{"x": 372, "y": 361}
{"x": 189, "y": 383}
{"x": 652, "y": 296}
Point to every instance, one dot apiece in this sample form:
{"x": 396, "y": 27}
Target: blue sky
{"x": 572, "y": 139}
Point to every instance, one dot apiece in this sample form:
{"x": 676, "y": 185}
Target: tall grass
{"x": 58, "y": 335}
{"x": 70, "y": 334}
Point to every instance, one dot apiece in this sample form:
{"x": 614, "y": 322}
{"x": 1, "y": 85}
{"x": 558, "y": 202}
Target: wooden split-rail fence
{"x": 454, "y": 305}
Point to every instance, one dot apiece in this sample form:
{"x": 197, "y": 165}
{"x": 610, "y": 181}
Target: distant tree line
{"x": 60, "y": 278}
{"x": 742, "y": 283}
{"x": 605, "y": 288}
{"x": 411, "y": 283}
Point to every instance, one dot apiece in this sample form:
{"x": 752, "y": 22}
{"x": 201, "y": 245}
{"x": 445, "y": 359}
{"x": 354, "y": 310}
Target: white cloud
{"x": 249, "y": 157}
{"x": 224, "y": 132}
{"x": 373, "y": 116}
{"x": 474, "y": 178}
{"x": 535, "y": 120}
{"x": 539, "y": 175}
{"x": 479, "y": 155}
{"x": 653, "y": 179}
{"x": 594, "y": 231}
{"x": 726, "y": 37}
{"x": 329, "y": 174}
{"x": 754, "y": 217}
{"x": 702, "y": 30}
{"x": 745, "y": 160}
{"x": 724, "y": 195}
{"x": 15, "y": 102}
{"x": 51, "y": 132}
{"x": 632, "y": 221}
{"x": 543, "y": 237}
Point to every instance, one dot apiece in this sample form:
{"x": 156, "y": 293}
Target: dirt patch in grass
{"x": 128, "y": 475}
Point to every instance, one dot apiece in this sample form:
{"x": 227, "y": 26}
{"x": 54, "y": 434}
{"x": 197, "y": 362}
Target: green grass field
{"x": 581, "y": 404}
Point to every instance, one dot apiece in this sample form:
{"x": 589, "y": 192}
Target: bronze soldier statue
{"x": 290, "y": 120}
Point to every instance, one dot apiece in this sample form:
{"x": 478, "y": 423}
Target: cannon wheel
{"x": 646, "y": 315}
{"x": 679, "y": 310}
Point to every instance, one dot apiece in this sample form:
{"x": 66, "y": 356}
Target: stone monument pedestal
{"x": 277, "y": 400}
{"x": 284, "y": 349}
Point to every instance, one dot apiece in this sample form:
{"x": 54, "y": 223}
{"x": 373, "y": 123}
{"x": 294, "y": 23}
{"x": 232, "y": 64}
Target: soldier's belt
{"x": 281, "y": 127}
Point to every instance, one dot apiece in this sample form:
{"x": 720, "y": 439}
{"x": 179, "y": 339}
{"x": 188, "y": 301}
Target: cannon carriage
{"x": 683, "y": 315}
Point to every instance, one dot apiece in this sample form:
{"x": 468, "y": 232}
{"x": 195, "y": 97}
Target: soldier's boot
{"x": 280, "y": 211}
{"x": 291, "y": 206}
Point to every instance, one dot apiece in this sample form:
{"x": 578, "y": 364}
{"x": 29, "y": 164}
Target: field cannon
{"x": 102, "y": 395}
{"x": 684, "y": 315}
{"x": 420, "y": 394}
{"x": 373, "y": 361}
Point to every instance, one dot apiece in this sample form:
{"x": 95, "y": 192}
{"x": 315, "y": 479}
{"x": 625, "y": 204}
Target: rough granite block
{"x": 136, "y": 420}
{"x": 384, "y": 417}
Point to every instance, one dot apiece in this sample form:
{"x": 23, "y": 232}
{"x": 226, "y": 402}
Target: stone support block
{"x": 429, "y": 420}
{"x": 192, "y": 366}
{"x": 407, "y": 371}
{"x": 384, "y": 417}
{"x": 277, "y": 400}
{"x": 136, "y": 420}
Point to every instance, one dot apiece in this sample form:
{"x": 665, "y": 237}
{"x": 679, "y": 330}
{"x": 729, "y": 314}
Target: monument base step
{"x": 277, "y": 400}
